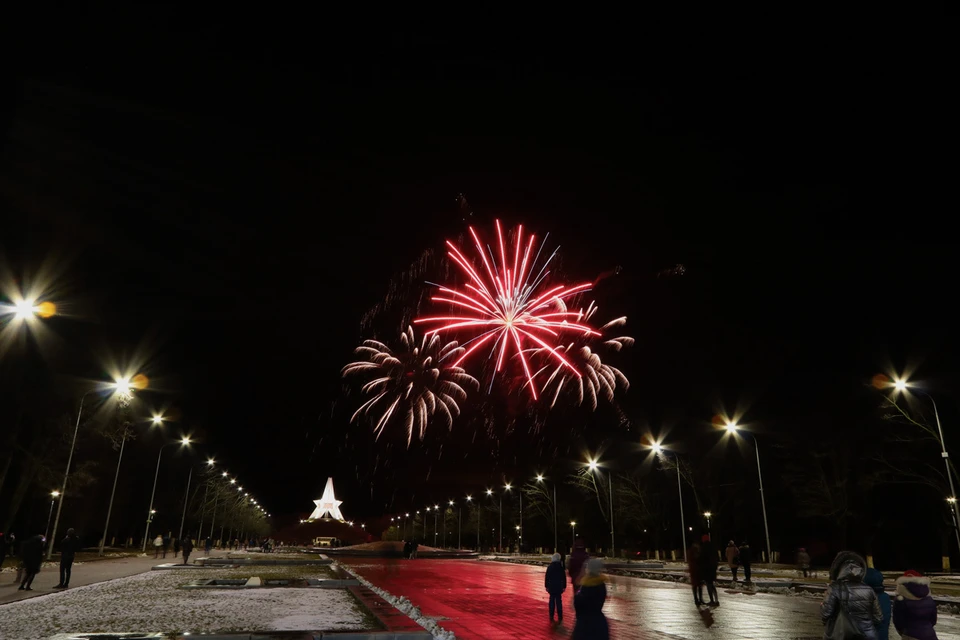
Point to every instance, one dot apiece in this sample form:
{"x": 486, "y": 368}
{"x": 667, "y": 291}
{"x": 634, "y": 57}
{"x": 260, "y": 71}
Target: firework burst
{"x": 597, "y": 379}
{"x": 417, "y": 381}
{"x": 508, "y": 307}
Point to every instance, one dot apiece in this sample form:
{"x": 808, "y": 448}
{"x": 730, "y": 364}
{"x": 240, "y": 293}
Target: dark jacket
{"x": 588, "y": 603}
{"x": 846, "y": 584}
{"x": 555, "y": 582}
{"x": 31, "y": 553}
{"x": 578, "y": 558}
{"x": 746, "y": 555}
{"x": 874, "y": 579}
{"x": 915, "y": 612}
{"x": 708, "y": 562}
{"x": 187, "y": 547}
{"x": 693, "y": 564}
{"x": 68, "y": 548}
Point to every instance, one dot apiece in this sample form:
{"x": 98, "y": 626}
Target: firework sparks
{"x": 597, "y": 377}
{"x": 507, "y": 306}
{"x": 418, "y": 381}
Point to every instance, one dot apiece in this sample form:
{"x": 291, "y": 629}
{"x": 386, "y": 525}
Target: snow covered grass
{"x": 404, "y": 605}
{"x": 153, "y": 602}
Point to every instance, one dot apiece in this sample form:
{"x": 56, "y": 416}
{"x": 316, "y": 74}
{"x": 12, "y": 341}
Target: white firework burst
{"x": 414, "y": 381}
{"x": 596, "y": 379}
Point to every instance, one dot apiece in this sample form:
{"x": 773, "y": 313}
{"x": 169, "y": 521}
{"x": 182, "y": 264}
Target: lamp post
{"x": 122, "y": 386}
{"x": 113, "y": 491}
{"x": 53, "y": 498}
{"x": 556, "y": 544}
{"x": 573, "y": 534}
{"x": 659, "y": 450}
{"x": 436, "y": 511}
{"x": 470, "y": 499}
{"x": 707, "y": 515}
{"x": 458, "y": 525}
{"x": 146, "y": 533}
{"x": 500, "y": 530}
{"x": 186, "y": 498}
{"x": 509, "y": 487}
{"x": 902, "y": 385}
{"x": 595, "y": 467}
{"x": 733, "y": 428}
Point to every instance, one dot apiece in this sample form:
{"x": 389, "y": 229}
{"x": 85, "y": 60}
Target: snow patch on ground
{"x": 152, "y": 602}
{"x": 404, "y": 605}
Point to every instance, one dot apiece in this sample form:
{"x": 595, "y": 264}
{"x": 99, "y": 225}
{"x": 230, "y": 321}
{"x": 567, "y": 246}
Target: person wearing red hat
{"x": 914, "y": 611}
{"x": 709, "y": 561}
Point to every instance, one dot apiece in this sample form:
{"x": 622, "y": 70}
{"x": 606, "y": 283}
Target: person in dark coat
{"x": 746, "y": 558}
{"x": 847, "y": 592}
{"x": 578, "y": 559}
{"x": 31, "y": 553}
{"x": 407, "y": 549}
{"x": 176, "y": 547}
{"x": 3, "y": 549}
{"x": 588, "y": 603}
{"x": 874, "y": 580}
{"x": 187, "y": 549}
{"x": 68, "y": 551}
{"x": 166, "y": 545}
{"x": 915, "y": 612}
{"x": 696, "y": 577}
{"x": 555, "y": 582}
{"x": 709, "y": 561}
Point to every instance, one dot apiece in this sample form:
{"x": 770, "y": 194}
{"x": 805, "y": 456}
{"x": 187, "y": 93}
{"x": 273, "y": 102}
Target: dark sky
{"x": 230, "y": 194}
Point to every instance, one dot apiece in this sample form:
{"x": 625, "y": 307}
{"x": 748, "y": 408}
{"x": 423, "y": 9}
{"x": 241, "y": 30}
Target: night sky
{"x": 222, "y": 199}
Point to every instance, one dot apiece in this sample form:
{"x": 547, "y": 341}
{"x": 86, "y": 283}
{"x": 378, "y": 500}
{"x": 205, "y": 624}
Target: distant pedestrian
{"x": 803, "y": 562}
{"x": 915, "y": 612}
{"x": 31, "y": 552}
{"x": 187, "y": 548}
{"x": 407, "y": 549}
{"x": 3, "y": 549}
{"x": 207, "y": 545}
{"x": 733, "y": 558}
{"x": 578, "y": 559}
{"x": 68, "y": 551}
{"x": 696, "y": 577}
{"x": 555, "y": 582}
{"x": 874, "y": 580}
{"x": 746, "y": 559}
{"x": 849, "y": 605}
{"x": 166, "y": 545}
{"x": 709, "y": 561}
{"x": 176, "y": 547}
{"x": 157, "y": 545}
{"x": 588, "y": 602}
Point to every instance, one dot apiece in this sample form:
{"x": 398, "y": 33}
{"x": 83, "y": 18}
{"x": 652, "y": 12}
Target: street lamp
{"x": 707, "y": 515}
{"x": 186, "y": 495}
{"x": 595, "y": 468}
{"x": 509, "y": 487}
{"x": 122, "y": 386}
{"x": 733, "y": 428}
{"x": 556, "y": 547}
{"x": 500, "y": 530}
{"x": 660, "y": 451}
{"x": 53, "y": 498}
{"x": 470, "y": 499}
{"x": 184, "y": 441}
{"x": 459, "y": 514}
{"x": 903, "y": 385}
{"x": 573, "y": 533}
{"x": 436, "y": 511}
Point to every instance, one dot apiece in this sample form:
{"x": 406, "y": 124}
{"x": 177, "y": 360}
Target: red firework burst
{"x": 508, "y": 306}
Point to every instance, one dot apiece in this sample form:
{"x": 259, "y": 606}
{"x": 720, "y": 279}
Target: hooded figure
{"x": 577, "y": 559}
{"x": 555, "y": 582}
{"x": 915, "y": 612}
{"x": 847, "y": 592}
{"x": 874, "y": 579}
{"x": 588, "y": 603}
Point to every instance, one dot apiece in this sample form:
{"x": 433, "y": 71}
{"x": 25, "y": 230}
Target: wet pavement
{"x": 500, "y": 601}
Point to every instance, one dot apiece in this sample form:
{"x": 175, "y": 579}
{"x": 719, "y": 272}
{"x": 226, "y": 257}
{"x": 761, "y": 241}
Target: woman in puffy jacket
{"x": 914, "y": 611}
{"x": 848, "y": 592}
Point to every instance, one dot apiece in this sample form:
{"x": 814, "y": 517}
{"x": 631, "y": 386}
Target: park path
{"x": 501, "y": 601}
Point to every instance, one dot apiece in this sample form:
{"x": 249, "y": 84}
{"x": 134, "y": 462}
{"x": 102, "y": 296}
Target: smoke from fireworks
{"x": 507, "y": 306}
{"x": 418, "y": 381}
{"x": 597, "y": 377}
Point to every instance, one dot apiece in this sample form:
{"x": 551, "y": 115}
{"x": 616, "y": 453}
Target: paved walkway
{"x": 82, "y": 574}
{"x": 499, "y": 601}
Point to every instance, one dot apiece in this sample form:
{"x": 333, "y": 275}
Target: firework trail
{"x": 507, "y": 305}
{"x": 597, "y": 379}
{"x": 418, "y": 381}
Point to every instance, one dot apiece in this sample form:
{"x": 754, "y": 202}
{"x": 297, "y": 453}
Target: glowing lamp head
{"x": 593, "y": 465}
{"x": 451, "y": 503}
{"x": 158, "y": 419}
{"x": 232, "y": 480}
{"x": 952, "y": 500}
{"x": 224, "y": 474}
{"x": 211, "y": 462}
{"x": 657, "y": 448}
{"x": 123, "y": 386}
{"x": 573, "y": 523}
{"x": 489, "y": 492}
{"x": 900, "y": 385}
{"x": 731, "y": 427}
{"x": 508, "y": 486}
{"x": 436, "y": 506}
{"x": 55, "y": 494}
{"x": 24, "y": 310}
{"x": 539, "y": 477}
{"x": 185, "y": 440}
{"x": 469, "y": 498}
{"x": 707, "y": 514}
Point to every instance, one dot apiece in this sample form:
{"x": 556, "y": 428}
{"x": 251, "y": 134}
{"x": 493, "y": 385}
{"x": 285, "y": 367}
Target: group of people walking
{"x": 589, "y": 592}
{"x": 31, "y": 559}
{"x": 161, "y": 544}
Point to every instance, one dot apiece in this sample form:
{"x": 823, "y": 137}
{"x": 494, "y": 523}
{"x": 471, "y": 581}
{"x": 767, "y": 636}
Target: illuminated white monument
{"x": 327, "y": 506}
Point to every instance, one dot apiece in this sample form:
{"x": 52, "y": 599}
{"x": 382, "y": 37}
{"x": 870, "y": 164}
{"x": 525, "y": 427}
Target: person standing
{"x": 915, "y": 612}
{"x": 157, "y": 545}
{"x": 555, "y": 582}
{"x": 166, "y": 544}
{"x": 874, "y": 580}
{"x": 31, "y": 553}
{"x": 187, "y": 548}
{"x": 578, "y": 558}
{"x": 588, "y": 602}
{"x": 693, "y": 568}
{"x": 68, "y": 551}
{"x": 207, "y": 545}
{"x": 746, "y": 558}
{"x": 709, "y": 561}
{"x": 803, "y": 562}
{"x": 3, "y": 549}
{"x": 733, "y": 559}
{"x": 849, "y": 595}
